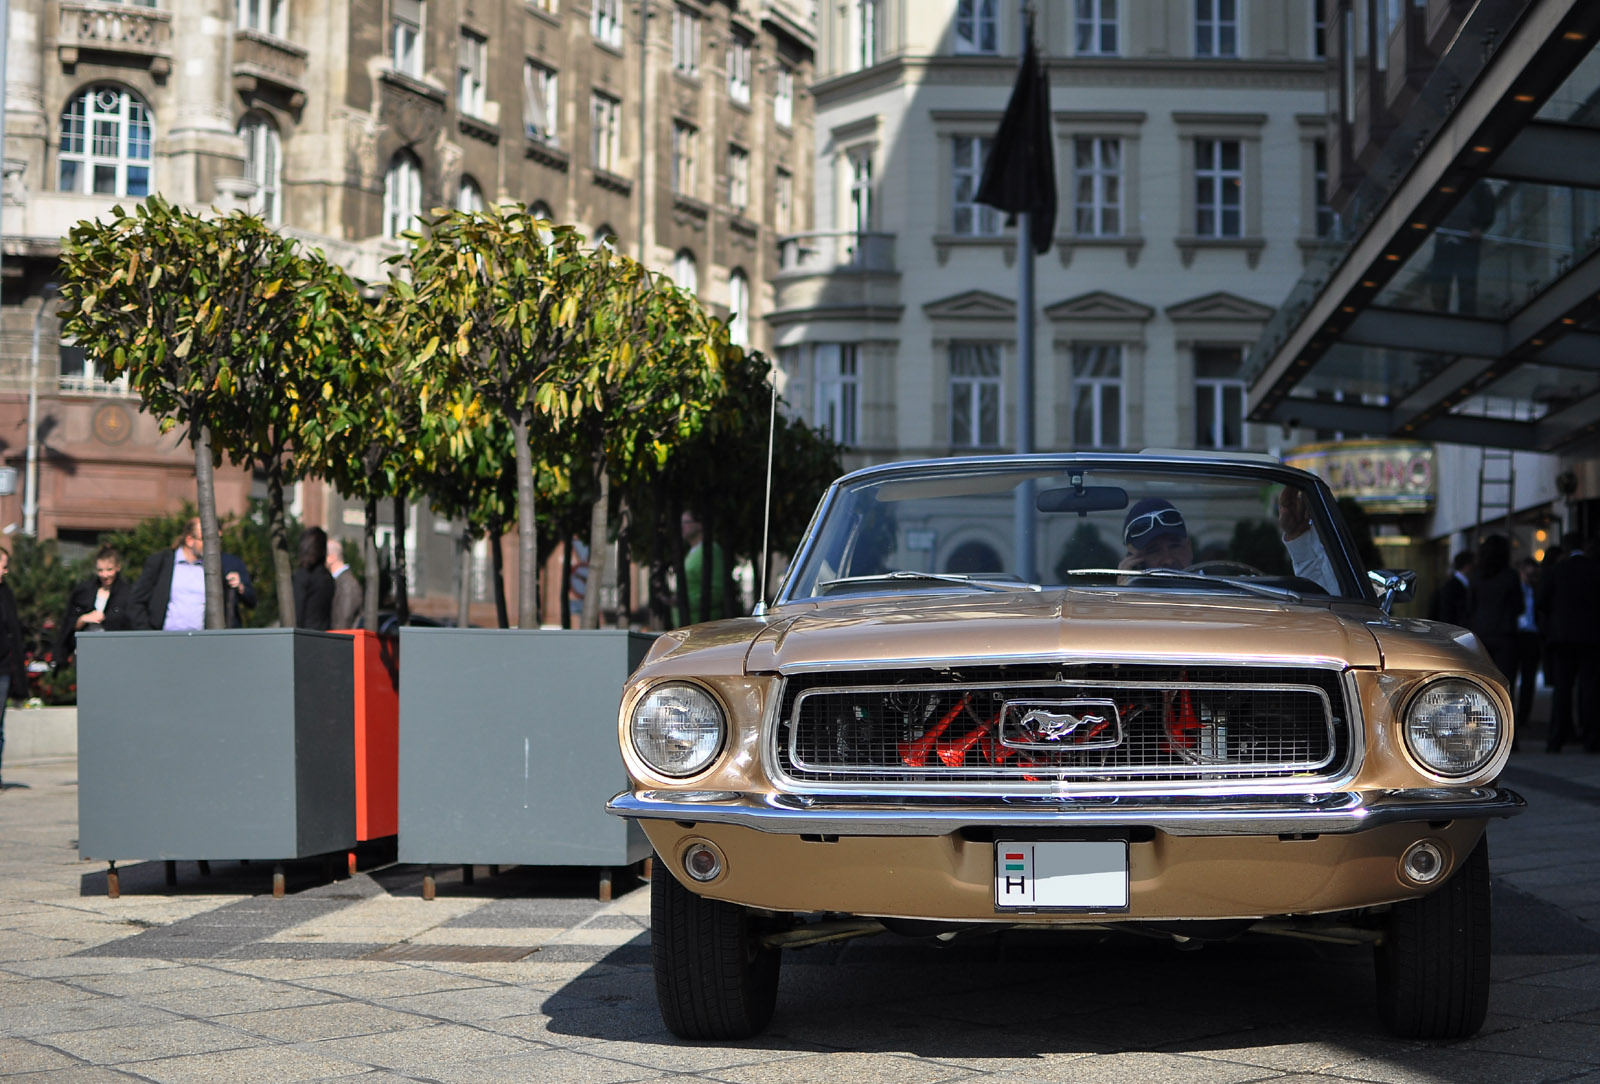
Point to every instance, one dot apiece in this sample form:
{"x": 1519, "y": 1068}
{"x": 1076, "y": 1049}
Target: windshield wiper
{"x": 987, "y": 583}
{"x": 1244, "y": 585}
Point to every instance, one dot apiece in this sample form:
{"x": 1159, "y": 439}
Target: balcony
{"x": 835, "y": 250}
{"x": 840, "y": 271}
{"x": 87, "y": 26}
{"x": 268, "y": 60}
{"x": 34, "y": 223}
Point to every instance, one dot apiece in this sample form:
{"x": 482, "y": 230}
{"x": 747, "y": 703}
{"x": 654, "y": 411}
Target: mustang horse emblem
{"x": 1061, "y": 725}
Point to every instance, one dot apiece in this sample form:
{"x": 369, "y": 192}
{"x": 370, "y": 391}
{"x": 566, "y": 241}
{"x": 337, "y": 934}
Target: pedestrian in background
{"x": 1572, "y": 600}
{"x": 171, "y": 592}
{"x": 1530, "y": 643}
{"x": 102, "y": 602}
{"x": 347, "y": 591}
{"x": 13, "y": 664}
{"x": 1496, "y": 603}
{"x": 313, "y": 583}
{"x": 1452, "y": 602}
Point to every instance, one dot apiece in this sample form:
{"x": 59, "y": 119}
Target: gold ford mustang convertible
{"x": 1155, "y": 692}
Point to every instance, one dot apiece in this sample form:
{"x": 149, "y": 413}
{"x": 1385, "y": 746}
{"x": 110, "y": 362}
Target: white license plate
{"x": 1061, "y": 875}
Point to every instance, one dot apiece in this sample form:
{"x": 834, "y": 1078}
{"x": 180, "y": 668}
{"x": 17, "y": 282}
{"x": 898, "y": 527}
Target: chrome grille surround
{"x": 1201, "y": 728}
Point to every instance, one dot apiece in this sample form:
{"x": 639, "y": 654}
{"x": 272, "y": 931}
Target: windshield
{"x": 1030, "y": 526}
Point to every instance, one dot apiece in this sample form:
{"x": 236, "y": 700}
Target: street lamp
{"x": 30, "y": 502}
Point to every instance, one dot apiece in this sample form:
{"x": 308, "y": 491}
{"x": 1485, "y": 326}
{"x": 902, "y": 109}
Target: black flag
{"x": 1020, "y": 174}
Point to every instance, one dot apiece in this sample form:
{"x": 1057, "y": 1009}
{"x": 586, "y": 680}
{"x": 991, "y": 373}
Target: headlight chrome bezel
{"x": 1423, "y": 744}
{"x": 700, "y": 759}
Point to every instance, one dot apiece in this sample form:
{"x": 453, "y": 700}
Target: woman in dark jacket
{"x": 104, "y": 602}
{"x": 313, "y": 583}
{"x": 1496, "y": 602}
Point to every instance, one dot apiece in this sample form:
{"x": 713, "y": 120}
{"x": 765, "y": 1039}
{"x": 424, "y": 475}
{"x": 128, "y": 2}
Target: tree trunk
{"x": 497, "y": 551}
{"x": 528, "y": 531}
{"x": 565, "y": 593}
{"x": 624, "y": 570}
{"x": 599, "y": 520}
{"x": 369, "y": 558}
{"x": 278, "y": 530}
{"x": 402, "y": 600}
{"x": 708, "y": 564}
{"x": 211, "y": 535}
{"x": 464, "y": 603}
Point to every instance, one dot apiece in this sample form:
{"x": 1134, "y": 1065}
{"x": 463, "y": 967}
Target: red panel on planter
{"x": 377, "y": 715}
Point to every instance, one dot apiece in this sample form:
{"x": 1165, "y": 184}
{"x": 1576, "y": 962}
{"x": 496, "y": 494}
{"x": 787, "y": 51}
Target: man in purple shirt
{"x": 171, "y": 592}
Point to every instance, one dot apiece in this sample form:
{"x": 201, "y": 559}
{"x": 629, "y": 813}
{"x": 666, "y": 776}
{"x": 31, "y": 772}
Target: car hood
{"x": 1071, "y": 625}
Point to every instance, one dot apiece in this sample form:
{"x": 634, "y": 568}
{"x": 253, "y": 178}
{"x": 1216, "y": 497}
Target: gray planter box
{"x": 508, "y": 746}
{"x": 236, "y": 743}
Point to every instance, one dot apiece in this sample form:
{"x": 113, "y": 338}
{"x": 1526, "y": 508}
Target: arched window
{"x": 605, "y": 237}
{"x": 685, "y": 272}
{"x": 541, "y": 209}
{"x": 106, "y": 143}
{"x": 739, "y": 308}
{"x": 402, "y": 194}
{"x": 263, "y": 164}
{"x": 469, "y": 197}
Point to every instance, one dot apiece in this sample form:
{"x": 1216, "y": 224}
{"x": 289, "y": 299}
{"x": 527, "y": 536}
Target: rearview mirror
{"x": 1082, "y": 499}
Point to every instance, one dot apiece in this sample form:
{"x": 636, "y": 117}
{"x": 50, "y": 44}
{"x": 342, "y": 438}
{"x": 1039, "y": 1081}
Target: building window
{"x": 684, "y": 137}
{"x": 968, "y": 217}
{"x": 783, "y": 97}
{"x": 1097, "y": 187}
{"x": 605, "y": 116}
{"x": 864, "y": 29}
{"x": 605, "y": 237}
{"x": 1097, "y": 395}
{"x": 686, "y": 41}
{"x": 685, "y": 272}
{"x": 1218, "y": 396}
{"x": 977, "y": 26}
{"x": 539, "y": 88}
{"x": 541, "y": 210}
{"x": 544, "y": 5}
{"x": 1219, "y": 188}
{"x": 469, "y": 197}
{"x": 739, "y": 308}
{"x": 783, "y": 203}
{"x": 1095, "y": 27}
{"x": 861, "y": 191}
{"x": 1319, "y": 31}
{"x": 473, "y": 73}
{"x": 836, "y": 397}
{"x": 975, "y": 395}
{"x": 739, "y": 53}
{"x": 1216, "y": 28}
{"x": 1324, "y": 222}
{"x": 738, "y": 177}
{"x": 106, "y": 143}
{"x": 263, "y": 164}
{"x": 605, "y": 22}
{"x": 263, "y": 16}
{"x": 405, "y": 36}
{"x": 402, "y": 194}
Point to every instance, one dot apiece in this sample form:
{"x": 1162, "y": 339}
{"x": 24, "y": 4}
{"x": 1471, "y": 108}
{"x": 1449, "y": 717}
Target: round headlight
{"x": 1453, "y": 727}
{"x": 677, "y": 729}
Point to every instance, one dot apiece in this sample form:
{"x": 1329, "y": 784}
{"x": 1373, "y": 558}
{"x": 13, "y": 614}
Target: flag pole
{"x": 1024, "y": 513}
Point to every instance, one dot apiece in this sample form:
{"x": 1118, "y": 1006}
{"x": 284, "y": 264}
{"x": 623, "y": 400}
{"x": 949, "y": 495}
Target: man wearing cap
{"x": 1156, "y": 537}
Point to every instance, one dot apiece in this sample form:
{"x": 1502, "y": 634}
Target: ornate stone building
{"x": 676, "y": 128}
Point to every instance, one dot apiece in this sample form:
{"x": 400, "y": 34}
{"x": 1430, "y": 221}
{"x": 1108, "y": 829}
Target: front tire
{"x": 1433, "y": 962}
{"x": 714, "y": 978}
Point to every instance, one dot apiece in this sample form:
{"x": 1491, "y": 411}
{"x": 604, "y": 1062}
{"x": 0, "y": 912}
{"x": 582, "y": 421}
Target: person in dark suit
{"x": 347, "y": 591}
{"x": 1530, "y": 642}
{"x": 171, "y": 592}
{"x": 1496, "y": 603}
{"x": 313, "y": 583}
{"x": 1452, "y": 602}
{"x": 104, "y": 602}
{"x": 1572, "y": 601}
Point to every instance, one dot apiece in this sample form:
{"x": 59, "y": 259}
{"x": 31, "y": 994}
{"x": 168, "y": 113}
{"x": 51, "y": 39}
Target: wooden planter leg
{"x": 172, "y": 872}
{"x": 428, "y": 885}
{"x": 113, "y": 881}
{"x": 605, "y": 884}
{"x": 350, "y": 859}
{"x": 205, "y": 868}
{"x": 277, "y": 880}
{"x": 468, "y": 873}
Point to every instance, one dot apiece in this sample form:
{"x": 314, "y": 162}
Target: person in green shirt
{"x": 693, "y": 569}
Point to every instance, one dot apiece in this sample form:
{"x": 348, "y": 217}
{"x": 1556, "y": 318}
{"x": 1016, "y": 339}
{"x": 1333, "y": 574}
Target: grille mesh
{"x": 1169, "y": 723}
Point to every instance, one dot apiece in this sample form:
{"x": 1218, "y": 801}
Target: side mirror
{"x": 1394, "y": 585}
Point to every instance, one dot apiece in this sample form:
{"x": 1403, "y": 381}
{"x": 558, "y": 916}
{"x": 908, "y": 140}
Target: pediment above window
{"x": 972, "y": 305}
{"x": 1219, "y": 306}
{"x": 1099, "y": 305}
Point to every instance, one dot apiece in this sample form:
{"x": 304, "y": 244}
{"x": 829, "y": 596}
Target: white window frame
{"x": 685, "y": 41}
{"x": 783, "y": 96}
{"x": 968, "y": 217}
{"x": 836, "y": 391}
{"x": 263, "y": 164}
{"x": 469, "y": 196}
{"x": 864, "y": 29}
{"x": 1324, "y": 219}
{"x": 1099, "y": 211}
{"x": 605, "y": 22}
{"x": 1094, "y": 389}
{"x": 977, "y": 27}
{"x": 740, "y": 59}
{"x": 979, "y": 389}
{"x": 262, "y": 16}
{"x": 128, "y": 156}
{"x": 859, "y": 192}
{"x": 738, "y": 177}
{"x": 685, "y": 138}
{"x": 686, "y": 271}
{"x": 541, "y": 88}
{"x": 1092, "y": 26}
{"x": 472, "y": 73}
{"x": 1221, "y": 391}
{"x": 605, "y": 131}
{"x": 402, "y": 194}
{"x": 1216, "y": 29}
{"x": 407, "y": 45}
{"x": 1210, "y": 174}
{"x": 739, "y": 307}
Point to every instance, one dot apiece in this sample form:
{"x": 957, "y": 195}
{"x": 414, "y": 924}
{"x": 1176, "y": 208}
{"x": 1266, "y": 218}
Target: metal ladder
{"x": 1497, "y": 483}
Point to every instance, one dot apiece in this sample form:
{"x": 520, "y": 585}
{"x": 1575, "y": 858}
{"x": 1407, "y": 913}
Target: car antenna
{"x": 766, "y": 515}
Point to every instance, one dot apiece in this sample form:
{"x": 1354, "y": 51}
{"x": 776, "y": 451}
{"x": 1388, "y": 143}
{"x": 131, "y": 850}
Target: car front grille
{"x": 1112, "y": 723}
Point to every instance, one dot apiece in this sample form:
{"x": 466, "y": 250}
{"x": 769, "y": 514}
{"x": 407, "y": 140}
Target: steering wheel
{"x": 1225, "y": 568}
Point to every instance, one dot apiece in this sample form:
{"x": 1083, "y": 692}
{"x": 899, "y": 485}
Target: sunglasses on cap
{"x": 1139, "y": 526}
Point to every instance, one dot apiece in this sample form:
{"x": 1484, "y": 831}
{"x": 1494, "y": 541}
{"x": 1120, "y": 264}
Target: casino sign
{"x": 1383, "y": 476}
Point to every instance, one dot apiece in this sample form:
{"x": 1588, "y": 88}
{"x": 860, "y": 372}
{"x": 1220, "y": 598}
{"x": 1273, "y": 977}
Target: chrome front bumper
{"x": 1336, "y": 813}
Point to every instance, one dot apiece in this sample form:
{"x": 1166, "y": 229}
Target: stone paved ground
{"x": 524, "y": 976}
